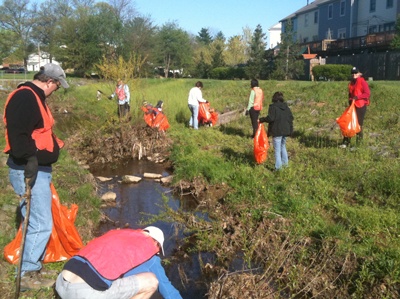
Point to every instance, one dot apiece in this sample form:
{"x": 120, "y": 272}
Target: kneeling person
{"x": 120, "y": 264}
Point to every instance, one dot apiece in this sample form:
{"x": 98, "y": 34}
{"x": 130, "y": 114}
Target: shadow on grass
{"x": 232, "y": 131}
{"x": 316, "y": 141}
{"x": 232, "y": 155}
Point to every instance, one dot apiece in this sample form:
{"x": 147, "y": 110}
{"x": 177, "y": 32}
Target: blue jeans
{"x": 153, "y": 265}
{"x": 120, "y": 287}
{"x": 194, "y": 121}
{"x": 40, "y": 219}
{"x": 281, "y": 156}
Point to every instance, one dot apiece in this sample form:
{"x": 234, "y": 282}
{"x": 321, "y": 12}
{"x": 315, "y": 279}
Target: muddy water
{"x": 137, "y": 203}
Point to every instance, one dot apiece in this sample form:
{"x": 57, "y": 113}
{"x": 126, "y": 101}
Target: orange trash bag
{"x": 207, "y": 115}
{"x": 155, "y": 118}
{"x": 161, "y": 122}
{"x": 261, "y": 144}
{"x": 64, "y": 240}
{"x": 348, "y": 122}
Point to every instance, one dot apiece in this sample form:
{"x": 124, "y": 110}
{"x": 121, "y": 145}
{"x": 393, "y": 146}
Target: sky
{"x": 228, "y": 16}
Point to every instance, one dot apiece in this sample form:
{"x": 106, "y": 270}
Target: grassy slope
{"x": 347, "y": 196}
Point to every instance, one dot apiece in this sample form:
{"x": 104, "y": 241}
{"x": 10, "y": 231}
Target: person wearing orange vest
{"x": 359, "y": 92}
{"x": 123, "y": 95}
{"x": 255, "y": 104}
{"x": 32, "y": 148}
{"x": 123, "y": 263}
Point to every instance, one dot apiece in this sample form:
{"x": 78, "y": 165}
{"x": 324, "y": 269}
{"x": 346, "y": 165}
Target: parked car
{"x": 15, "y": 71}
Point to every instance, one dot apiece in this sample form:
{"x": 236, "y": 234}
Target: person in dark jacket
{"x": 32, "y": 148}
{"x": 280, "y": 126}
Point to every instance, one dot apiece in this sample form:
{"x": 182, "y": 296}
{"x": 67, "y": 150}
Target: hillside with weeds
{"x": 325, "y": 227}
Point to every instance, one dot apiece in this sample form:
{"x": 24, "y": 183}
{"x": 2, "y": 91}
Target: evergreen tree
{"x": 396, "y": 41}
{"x": 202, "y": 69}
{"x": 289, "y": 64}
{"x": 257, "y": 51}
{"x": 204, "y": 37}
{"x": 217, "y": 49}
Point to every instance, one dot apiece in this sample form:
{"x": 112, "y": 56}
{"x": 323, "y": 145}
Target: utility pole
{"x": 39, "y": 55}
{"x": 287, "y": 63}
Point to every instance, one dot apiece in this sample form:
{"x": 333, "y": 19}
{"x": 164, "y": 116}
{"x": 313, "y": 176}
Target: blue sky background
{"x": 228, "y": 16}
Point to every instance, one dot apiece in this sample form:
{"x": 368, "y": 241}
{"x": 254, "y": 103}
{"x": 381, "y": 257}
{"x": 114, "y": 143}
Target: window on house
{"x": 342, "y": 33}
{"x": 342, "y": 8}
{"x": 330, "y": 11}
{"x": 316, "y": 17}
{"x": 329, "y": 34}
{"x": 389, "y": 3}
{"x": 372, "y": 29}
{"x": 372, "y": 5}
{"x": 389, "y": 26}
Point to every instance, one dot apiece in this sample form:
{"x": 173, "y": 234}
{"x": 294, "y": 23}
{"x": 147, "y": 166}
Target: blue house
{"x": 323, "y": 22}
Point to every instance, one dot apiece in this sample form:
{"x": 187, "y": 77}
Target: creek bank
{"x": 272, "y": 253}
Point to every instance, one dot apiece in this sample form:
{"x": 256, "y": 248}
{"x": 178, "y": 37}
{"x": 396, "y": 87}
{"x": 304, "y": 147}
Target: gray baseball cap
{"x": 56, "y": 72}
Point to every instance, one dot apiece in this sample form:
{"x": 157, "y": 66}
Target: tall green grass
{"x": 349, "y": 197}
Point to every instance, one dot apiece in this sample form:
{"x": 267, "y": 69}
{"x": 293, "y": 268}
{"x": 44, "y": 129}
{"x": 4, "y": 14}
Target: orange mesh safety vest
{"x": 120, "y": 92}
{"x": 258, "y": 99}
{"x": 44, "y": 136}
{"x": 119, "y": 251}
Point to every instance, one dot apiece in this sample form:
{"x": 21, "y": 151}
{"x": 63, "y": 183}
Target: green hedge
{"x": 228, "y": 73}
{"x": 332, "y": 72}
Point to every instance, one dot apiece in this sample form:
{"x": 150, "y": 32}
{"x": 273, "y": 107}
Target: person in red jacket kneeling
{"x": 123, "y": 263}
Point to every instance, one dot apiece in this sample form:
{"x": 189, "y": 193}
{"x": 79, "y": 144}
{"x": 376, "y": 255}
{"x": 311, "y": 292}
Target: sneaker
{"x": 34, "y": 281}
{"x": 342, "y": 146}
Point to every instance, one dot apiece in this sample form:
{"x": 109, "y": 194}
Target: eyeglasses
{"x": 58, "y": 84}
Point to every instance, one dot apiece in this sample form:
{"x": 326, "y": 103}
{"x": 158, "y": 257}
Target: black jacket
{"x": 280, "y": 119}
{"x": 23, "y": 117}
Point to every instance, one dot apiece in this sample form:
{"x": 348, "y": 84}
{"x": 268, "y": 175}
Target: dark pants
{"x": 254, "y": 114}
{"x": 360, "y": 116}
{"x": 123, "y": 110}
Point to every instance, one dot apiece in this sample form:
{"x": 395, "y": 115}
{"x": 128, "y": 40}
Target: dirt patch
{"x": 121, "y": 142}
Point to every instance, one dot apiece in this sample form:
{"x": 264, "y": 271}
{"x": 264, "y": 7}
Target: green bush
{"x": 220, "y": 73}
{"x": 228, "y": 73}
{"x": 332, "y": 72}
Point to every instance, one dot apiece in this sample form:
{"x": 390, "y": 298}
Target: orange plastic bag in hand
{"x": 64, "y": 240}
{"x": 348, "y": 122}
{"x": 261, "y": 144}
{"x": 204, "y": 115}
{"x": 161, "y": 122}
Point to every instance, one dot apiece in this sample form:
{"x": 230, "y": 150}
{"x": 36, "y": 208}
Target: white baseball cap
{"x": 157, "y": 234}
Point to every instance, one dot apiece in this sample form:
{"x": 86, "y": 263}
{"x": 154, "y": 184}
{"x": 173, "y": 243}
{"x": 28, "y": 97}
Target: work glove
{"x": 262, "y": 119}
{"x": 31, "y": 170}
{"x": 246, "y": 113}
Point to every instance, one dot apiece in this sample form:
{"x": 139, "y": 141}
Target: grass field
{"x": 334, "y": 212}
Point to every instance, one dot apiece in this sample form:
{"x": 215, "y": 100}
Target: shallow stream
{"x": 138, "y": 202}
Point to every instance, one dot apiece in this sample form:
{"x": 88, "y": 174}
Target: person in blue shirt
{"x": 123, "y": 264}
